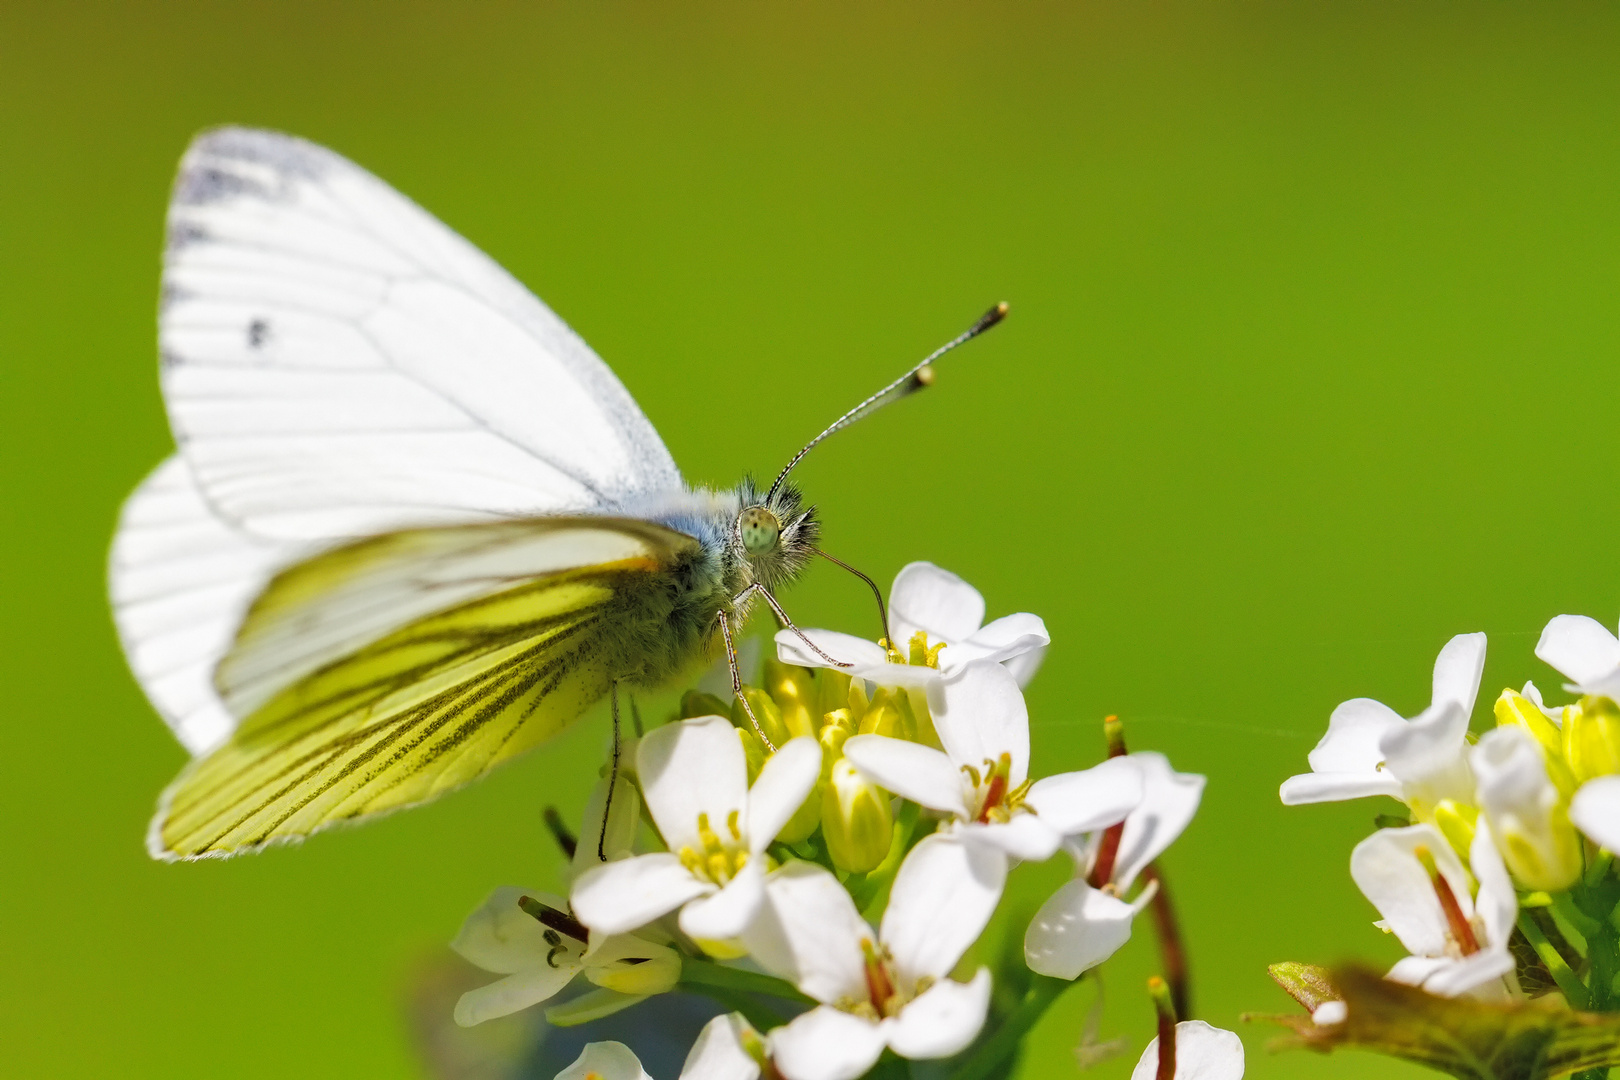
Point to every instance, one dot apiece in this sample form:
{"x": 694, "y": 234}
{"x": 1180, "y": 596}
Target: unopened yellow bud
{"x": 855, "y": 820}
{"x": 1592, "y": 738}
{"x": 1456, "y": 822}
{"x": 807, "y": 817}
{"x": 832, "y": 690}
{"x": 632, "y": 966}
{"x": 883, "y": 717}
{"x": 1528, "y": 816}
{"x": 1515, "y": 710}
{"x": 754, "y": 753}
{"x": 697, "y": 703}
{"x": 794, "y": 690}
{"x": 765, "y": 711}
{"x": 835, "y": 732}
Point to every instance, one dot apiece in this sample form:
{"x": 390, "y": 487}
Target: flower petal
{"x": 1457, "y": 670}
{"x": 1595, "y": 810}
{"x": 1076, "y": 929}
{"x": 719, "y": 1053}
{"x": 1007, "y": 638}
{"x": 913, "y": 771}
{"x": 1026, "y": 837}
{"x": 689, "y": 768}
{"x": 826, "y": 1044}
{"x": 724, "y": 915}
{"x": 1470, "y": 973}
{"x": 1429, "y": 753}
{"x": 502, "y": 938}
{"x": 1203, "y": 1052}
{"x": 1093, "y": 798}
{"x": 1582, "y": 649}
{"x": 1169, "y": 801}
{"x": 942, "y": 1020}
{"x": 593, "y": 1004}
{"x": 1354, "y": 732}
{"x": 936, "y": 601}
{"x": 781, "y": 788}
{"x": 1496, "y": 903}
{"x": 845, "y": 648}
{"x": 980, "y": 714}
{"x": 1385, "y": 868}
{"x": 941, "y": 899}
{"x": 1336, "y": 787}
{"x": 618, "y": 897}
{"x": 606, "y": 1061}
{"x": 517, "y": 991}
{"x": 1024, "y": 665}
{"x": 809, "y": 933}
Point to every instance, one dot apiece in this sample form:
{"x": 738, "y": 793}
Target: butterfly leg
{"x": 613, "y": 773}
{"x": 800, "y": 634}
{"x": 736, "y": 678}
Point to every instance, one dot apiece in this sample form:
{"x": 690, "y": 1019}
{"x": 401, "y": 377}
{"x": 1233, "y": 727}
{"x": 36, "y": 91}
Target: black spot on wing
{"x": 185, "y": 233}
{"x": 201, "y": 185}
{"x": 258, "y": 332}
{"x": 285, "y": 154}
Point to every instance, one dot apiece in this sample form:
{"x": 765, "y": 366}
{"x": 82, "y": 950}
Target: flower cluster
{"x": 842, "y": 858}
{"x": 1500, "y": 879}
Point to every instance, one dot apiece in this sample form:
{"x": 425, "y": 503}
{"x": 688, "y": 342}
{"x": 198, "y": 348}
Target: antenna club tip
{"x": 924, "y": 376}
{"x": 991, "y": 317}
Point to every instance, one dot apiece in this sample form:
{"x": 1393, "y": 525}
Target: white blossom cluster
{"x": 925, "y": 798}
{"x": 1522, "y": 819}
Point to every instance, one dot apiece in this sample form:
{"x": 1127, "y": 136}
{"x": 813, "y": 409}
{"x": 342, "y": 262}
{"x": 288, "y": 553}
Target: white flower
{"x": 720, "y": 1053}
{"x": 928, "y": 600}
{"x": 981, "y": 777}
{"x": 891, "y": 988}
{"x": 1083, "y": 924}
{"x": 539, "y": 959}
{"x": 1370, "y": 750}
{"x": 1526, "y": 811}
{"x": 1595, "y": 810}
{"x": 694, "y": 777}
{"x": 1202, "y": 1053}
{"x": 1585, "y": 652}
{"x": 1458, "y": 940}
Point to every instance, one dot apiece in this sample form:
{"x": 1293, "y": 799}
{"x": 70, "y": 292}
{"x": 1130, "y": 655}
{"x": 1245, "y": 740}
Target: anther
{"x": 561, "y": 921}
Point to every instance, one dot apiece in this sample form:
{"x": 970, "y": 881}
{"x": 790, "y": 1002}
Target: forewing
{"x": 181, "y": 580}
{"x": 336, "y": 361}
{"x": 359, "y": 712}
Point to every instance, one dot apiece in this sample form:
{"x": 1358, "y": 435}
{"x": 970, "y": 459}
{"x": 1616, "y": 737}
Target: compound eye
{"x": 759, "y": 530}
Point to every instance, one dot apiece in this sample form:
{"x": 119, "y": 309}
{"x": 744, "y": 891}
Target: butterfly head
{"x": 775, "y": 533}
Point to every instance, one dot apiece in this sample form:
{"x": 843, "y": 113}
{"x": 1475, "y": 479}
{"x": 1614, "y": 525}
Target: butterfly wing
{"x": 336, "y": 361}
{"x": 181, "y": 579}
{"x": 386, "y": 672}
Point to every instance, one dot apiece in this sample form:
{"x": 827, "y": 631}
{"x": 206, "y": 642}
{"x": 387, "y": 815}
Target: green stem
{"x": 1574, "y": 990}
{"x": 989, "y": 1057}
{"x": 704, "y": 974}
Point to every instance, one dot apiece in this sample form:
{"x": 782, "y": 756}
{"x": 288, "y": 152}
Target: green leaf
{"x": 1469, "y": 1039}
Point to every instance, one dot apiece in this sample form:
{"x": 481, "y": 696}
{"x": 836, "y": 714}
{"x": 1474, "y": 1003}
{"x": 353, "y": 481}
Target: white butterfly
{"x": 414, "y": 526}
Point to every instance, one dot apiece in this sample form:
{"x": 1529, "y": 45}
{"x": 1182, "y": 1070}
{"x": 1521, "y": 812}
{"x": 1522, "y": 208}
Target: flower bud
{"x": 696, "y": 703}
{"x": 1528, "y": 816}
{"x": 765, "y": 711}
{"x": 1515, "y": 710}
{"x": 633, "y": 965}
{"x": 855, "y": 820}
{"x": 754, "y": 752}
{"x": 1455, "y": 821}
{"x": 883, "y": 717}
{"x": 794, "y": 691}
{"x": 1592, "y": 738}
{"x": 807, "y": 817}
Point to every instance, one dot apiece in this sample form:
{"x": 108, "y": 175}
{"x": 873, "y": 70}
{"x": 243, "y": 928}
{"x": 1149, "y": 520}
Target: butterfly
{"x": 414, "y": 526}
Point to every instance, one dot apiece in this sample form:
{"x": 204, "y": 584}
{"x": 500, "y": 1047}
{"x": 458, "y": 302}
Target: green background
{"x": 1311, "y": 365}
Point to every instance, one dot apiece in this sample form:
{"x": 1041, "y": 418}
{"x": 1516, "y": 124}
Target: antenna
{"x": 916, "y": 379}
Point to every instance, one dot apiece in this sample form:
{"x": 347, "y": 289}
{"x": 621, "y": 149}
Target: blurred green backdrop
{"x": 1312, "y": 365}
